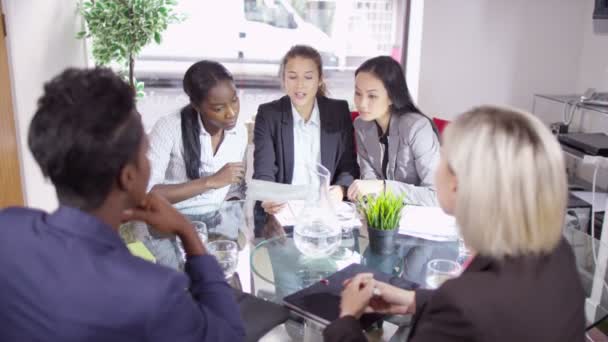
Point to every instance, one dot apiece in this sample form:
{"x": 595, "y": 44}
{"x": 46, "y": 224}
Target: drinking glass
{"x": 348, "y": 219}
{"x": 463, "y": 252}
{"x": 201, "y": 230}
{"x": 226, "y": 252}
{"x": 440, "y": 270}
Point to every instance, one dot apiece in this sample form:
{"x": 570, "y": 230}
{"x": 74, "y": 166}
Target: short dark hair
{"x": 198, "y": 80}
{"x": 307, "y": 52}
{"x": 84, "y": 131}
{"x": 389, "y": 71}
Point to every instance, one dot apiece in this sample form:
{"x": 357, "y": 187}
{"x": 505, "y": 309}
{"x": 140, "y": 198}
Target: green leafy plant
{"x": 119, "y": 29}
{"x": 382, "y": 211}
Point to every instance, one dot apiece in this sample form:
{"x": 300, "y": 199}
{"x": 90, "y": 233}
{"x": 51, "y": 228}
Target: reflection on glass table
{"x": 226, "y": 254}
{"x": 593, "y": 276}
{"x": 281, "y": 269}
{"x": 201, "y": 230}
{"x": 227, "y": 221}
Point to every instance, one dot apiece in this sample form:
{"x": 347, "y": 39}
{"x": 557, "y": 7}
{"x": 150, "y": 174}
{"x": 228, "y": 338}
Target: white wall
{"x": 414, "y": 47}
{"x": 41, "y": 44}
{"x": 593, "y": 71}
{"x": 498, "y": 51}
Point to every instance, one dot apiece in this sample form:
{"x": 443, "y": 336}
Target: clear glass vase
{"x": 317, "y": 232}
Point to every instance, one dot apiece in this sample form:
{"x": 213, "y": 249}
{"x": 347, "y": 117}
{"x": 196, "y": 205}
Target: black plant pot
{"x": 381, "y": 241}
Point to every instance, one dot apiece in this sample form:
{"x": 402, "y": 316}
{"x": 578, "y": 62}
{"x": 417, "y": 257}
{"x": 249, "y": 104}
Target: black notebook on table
{"x": 321, "y": 301}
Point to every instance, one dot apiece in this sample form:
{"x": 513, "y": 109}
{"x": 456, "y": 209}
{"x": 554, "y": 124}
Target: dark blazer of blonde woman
{"x": 525, "y": 299}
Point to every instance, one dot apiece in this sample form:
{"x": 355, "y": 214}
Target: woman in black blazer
{"x": 502, "y": 175}
{"x": 303, "y": 128}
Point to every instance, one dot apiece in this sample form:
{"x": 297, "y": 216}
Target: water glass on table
{"x": 226, "y": 252}
{"x": 439, "y": 271}
{"x": 201, "y": 230}
{"x": 349, "y": 220}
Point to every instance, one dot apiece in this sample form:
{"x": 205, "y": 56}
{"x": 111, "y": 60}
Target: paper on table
{"x": 347, "y": 217}
{"x": 287, "y": 215}
{"x": 600, "y": 199}
{"x": 429, "y": 223}
{"x": 259, "y": 190}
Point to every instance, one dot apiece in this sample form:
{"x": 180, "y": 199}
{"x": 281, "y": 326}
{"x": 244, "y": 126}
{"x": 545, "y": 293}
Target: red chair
{"x": 440, "y": 123}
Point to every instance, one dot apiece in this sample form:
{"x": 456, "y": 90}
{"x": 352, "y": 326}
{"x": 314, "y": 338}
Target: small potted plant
{"x": 119, "y": 29}
{"x": 382, "y": 213}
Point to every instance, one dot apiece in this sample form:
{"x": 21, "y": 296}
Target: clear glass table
{"x": 591, "y": 261}
{"x": 280, "y": 269}
{"x": 275, "y": 268}
{"x": 227, "y": 221}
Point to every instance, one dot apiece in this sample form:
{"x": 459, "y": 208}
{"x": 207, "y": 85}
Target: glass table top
{"x": 593, "y": 278}
{"x": 281, "y": 269}
{"x": 278, "y": 269}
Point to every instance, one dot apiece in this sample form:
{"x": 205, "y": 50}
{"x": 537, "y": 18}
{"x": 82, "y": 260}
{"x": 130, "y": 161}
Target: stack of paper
{"x": 429, "y": 223}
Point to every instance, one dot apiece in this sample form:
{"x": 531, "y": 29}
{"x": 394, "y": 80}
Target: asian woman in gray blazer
{"x": 397, "y": 145}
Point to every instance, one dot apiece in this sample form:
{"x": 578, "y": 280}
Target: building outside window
{"x": 250, "y": 37}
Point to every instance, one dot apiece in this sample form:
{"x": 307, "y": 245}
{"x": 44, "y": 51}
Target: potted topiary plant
{"x": 382, "y": 213}
{"x": 119, "y": 29}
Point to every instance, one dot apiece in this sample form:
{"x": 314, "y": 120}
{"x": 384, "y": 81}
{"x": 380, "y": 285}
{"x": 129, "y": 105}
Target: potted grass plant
{"x": 382, "y": 213}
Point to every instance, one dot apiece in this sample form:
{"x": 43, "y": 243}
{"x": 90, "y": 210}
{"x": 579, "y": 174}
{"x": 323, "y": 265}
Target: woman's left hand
{"x": 356, "y": 295}
{"x": 362, "y": 187}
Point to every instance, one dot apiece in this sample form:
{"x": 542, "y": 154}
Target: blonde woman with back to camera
{"x": 502, "y": 175}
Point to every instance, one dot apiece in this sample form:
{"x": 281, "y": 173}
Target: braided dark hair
{"x": 198, "y": 80}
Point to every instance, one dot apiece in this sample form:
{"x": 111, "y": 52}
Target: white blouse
{"x": 166, "y": 156}
{"x": 306, "y": 145}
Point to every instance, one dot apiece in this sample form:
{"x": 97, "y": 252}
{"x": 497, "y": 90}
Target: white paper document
{"x": 259, "y": 190}
{"x": 346, "y": 215}
{"x": 287, "y": 216}
{"x": 429, "y": 223}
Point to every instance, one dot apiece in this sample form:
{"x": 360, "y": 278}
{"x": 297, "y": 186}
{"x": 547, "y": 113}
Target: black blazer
{"x": 531, "y": 298}
{"x": 274, "y": 146}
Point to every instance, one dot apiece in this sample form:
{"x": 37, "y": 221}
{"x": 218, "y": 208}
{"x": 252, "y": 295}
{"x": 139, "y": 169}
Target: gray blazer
{"x": 413, "y": 156}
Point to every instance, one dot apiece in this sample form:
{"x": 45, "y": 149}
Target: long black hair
{"x": 391, "y": 74}
{"x": 198, "y": 80}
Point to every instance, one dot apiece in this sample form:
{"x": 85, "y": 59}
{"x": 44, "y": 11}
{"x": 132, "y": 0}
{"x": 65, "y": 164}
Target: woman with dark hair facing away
{"x": 67, "y": 275}
{"x": 397, "y": 145}
{"x": 304, "y": 128}
{"x": 197, "y": 154}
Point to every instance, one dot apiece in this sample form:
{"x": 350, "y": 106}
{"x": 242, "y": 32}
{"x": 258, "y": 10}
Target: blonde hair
{"x": 512, "y": 189}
